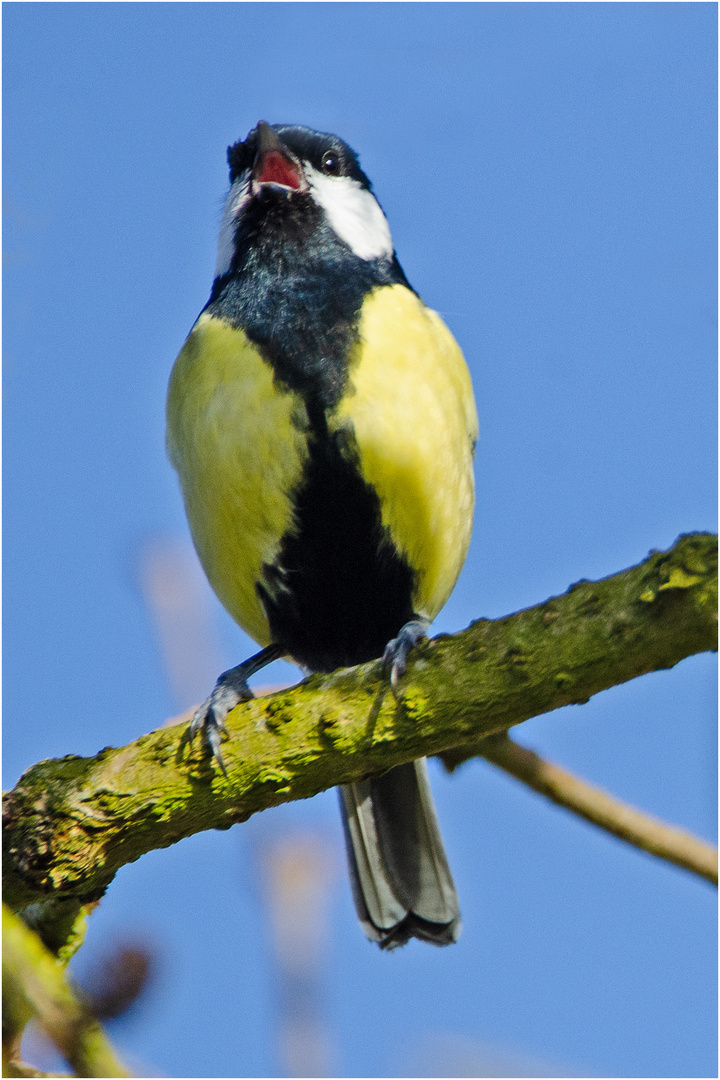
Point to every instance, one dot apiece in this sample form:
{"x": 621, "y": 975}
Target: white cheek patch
{"x": 353, "y": 213}
{"x": 238, "y": 196}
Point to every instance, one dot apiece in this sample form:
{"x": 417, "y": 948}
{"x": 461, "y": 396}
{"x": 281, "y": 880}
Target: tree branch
{"x": 72, "y": 823}
{"x": 34, "y": 985}
{"x": 590, "y": 802}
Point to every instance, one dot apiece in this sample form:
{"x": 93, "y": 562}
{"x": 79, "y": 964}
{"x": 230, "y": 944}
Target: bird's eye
{"x": 331, "y": 163}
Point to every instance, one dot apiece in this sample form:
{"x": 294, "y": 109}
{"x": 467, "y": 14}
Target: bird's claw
{"x": 397, "y": 650}
{"x": 209, "y": 718}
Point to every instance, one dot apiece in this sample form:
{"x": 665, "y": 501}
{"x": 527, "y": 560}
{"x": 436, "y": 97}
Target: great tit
{"x": 322, "y": 423}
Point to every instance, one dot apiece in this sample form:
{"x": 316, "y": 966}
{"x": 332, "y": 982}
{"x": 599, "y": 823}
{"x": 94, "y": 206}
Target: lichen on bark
{"x": 71, "y": 823}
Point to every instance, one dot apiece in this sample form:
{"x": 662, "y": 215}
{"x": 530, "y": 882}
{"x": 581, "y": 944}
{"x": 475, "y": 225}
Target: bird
{"x": 322, "y": 423}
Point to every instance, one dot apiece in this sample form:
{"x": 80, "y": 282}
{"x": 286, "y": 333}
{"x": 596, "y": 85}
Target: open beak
{"x": 274, "y": 164}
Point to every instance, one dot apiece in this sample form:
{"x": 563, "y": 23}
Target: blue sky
{"x": 548, "y": 171}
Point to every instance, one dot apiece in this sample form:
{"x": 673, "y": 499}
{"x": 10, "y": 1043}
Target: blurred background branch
{"x": 614, "y": 816}
{"x": 34, "y": 986}
{"x": 297, "y": 872}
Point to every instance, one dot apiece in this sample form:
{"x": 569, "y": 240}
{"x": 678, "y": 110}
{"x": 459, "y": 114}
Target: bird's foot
{"x": 396, "y": 651}
{"x": 230, "y": 689}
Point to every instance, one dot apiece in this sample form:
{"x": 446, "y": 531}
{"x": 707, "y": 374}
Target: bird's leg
{"x": 230, "y": 689}
{"x": 396, "y": 651}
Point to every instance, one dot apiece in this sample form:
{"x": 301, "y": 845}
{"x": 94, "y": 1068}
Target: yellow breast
{"x": 238, "y": 442}
{"x": 411, "y": 405}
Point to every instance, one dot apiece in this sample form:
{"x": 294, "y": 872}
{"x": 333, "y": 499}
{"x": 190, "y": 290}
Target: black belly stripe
{"x": 339, "y": 590}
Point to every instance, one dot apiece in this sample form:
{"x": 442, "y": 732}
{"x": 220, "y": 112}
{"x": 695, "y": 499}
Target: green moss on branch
{"x": 72, "y": 823}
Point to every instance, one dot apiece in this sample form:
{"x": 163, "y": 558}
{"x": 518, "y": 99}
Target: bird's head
{"x": 292, "y": 178}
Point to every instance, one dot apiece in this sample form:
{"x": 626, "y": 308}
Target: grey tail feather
{"x": 401, "y": 881}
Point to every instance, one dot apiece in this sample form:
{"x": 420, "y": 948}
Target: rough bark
{"x": 70, "y": 824}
